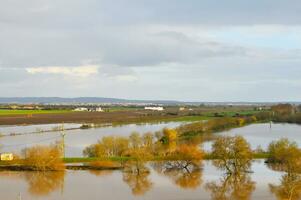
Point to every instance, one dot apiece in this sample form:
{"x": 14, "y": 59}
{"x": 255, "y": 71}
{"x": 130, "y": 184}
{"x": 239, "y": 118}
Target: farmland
{"x": 29, "y": 112}
{"x": 118, "y": 115}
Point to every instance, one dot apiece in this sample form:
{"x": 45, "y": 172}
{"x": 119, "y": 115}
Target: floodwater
{"x": 206, "y": 183}
{"x": 263, "y": 134}
{"x": 75, "y": 140}
{"x": 28, "y": 129}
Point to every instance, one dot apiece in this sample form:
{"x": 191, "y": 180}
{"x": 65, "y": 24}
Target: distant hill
{"x": 78, "y": 100}
{"x": 103, "y": 100}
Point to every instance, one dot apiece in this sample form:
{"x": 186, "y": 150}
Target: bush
{"x": 107, "y": 146}
{"x": 43, "y": 158}
{"x": 284, "y": 152}
{"x": 188, "y": 153}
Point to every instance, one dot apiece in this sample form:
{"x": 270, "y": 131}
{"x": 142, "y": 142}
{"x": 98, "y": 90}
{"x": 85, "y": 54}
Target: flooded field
{"x": 75, "y": 140}
{"x": 263, "y": 134}
{"x": 164, "y": 181}
{"x": 205, "y": 183}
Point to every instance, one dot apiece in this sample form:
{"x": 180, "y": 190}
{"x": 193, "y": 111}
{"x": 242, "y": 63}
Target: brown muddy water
{"x": 205, "y": 183}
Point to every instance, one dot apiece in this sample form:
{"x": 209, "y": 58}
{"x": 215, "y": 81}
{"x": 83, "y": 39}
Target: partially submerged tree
{"x": 285, "y": 153}
{"x": 44, "y": 158}
{"x": 285, "y": 156}
{"x": 232, "y": 154}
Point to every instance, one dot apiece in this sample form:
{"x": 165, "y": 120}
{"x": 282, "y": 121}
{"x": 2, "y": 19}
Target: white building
{"x": 99, "y": 109}
{"x": 6, "y": 156}
{"x": 154, "y": 108}
{"x": 81, "y": 109}
{"x": 181, "y": 108}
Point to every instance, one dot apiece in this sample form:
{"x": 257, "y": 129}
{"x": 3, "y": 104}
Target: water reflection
{"x": 232, "y": 186}
{"x": 289, "y": 188}
{"x": 290, "y": 182}
{"x": 40, "y": 183}
{"x": 43, "y": 183}
{"x": 187, "y": 175}
{"x": 101, "y": 172}
{"x": 137, "y": 177}
{"x": 156, "y": 180}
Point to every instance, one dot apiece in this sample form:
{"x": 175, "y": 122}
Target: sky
{"x": 192, "y": 50}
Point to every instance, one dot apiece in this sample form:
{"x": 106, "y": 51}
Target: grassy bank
{"x": 207, "y": 156}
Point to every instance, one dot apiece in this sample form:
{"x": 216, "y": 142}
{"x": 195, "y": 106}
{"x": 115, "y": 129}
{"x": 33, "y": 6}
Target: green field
{"x": 232, "y": 113}
{"x": 188, "y": 118}
{"x": 207, "y": 156}
{"x": 26, "y": 112}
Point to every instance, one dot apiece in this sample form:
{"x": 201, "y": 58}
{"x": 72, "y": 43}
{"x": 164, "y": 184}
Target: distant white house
{"x": 81, "y": 109}
{"x": 181, "y": 108}
{"x": 6, "y": 156}
{"x": 99, "y": 109}
{"x": 154, "y": 108}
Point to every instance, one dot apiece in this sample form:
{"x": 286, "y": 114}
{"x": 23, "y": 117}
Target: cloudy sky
{"x": 193, "y": 50}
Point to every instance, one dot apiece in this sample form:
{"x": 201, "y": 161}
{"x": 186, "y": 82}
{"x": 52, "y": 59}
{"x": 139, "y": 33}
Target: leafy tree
{"x": 135, "y": 140}
{"x": 232, "y": 154}
{"x": 286, "y": 153}
{"x": 283, "y": 109}
{"x": 148, "y": 140}
{"x": 138, "y": 158}
{"x": 107, "y": 146}
{"x": 44, "y": 158}
{"x": 188, "y": 153}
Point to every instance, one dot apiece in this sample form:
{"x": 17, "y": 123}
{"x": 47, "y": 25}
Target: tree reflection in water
{"x": 232, "y": 186}
{"x": 43, "y": 183}
{"x": 137, "y": 177}
{"x": 289, "y": 188}
{"x": 290, "y": 183}
{"x": 101, "y": 172}
{"x": 233, "y": 155}
{"x": 184, "y": 174}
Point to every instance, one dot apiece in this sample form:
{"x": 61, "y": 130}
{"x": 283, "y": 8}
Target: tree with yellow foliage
{"x": 44, "y": 158}
{"x": 232, "y": 154}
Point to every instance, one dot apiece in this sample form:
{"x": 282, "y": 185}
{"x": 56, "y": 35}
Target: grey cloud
{"x": 116, "y": 36}
{"x": 41, "y": 33}
{"x": 78, "y": 13}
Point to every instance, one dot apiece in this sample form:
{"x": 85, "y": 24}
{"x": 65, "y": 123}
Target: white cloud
{"x": 79, "y": 71}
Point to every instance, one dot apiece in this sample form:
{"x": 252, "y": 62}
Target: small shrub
{"x": 44, "y": 158}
